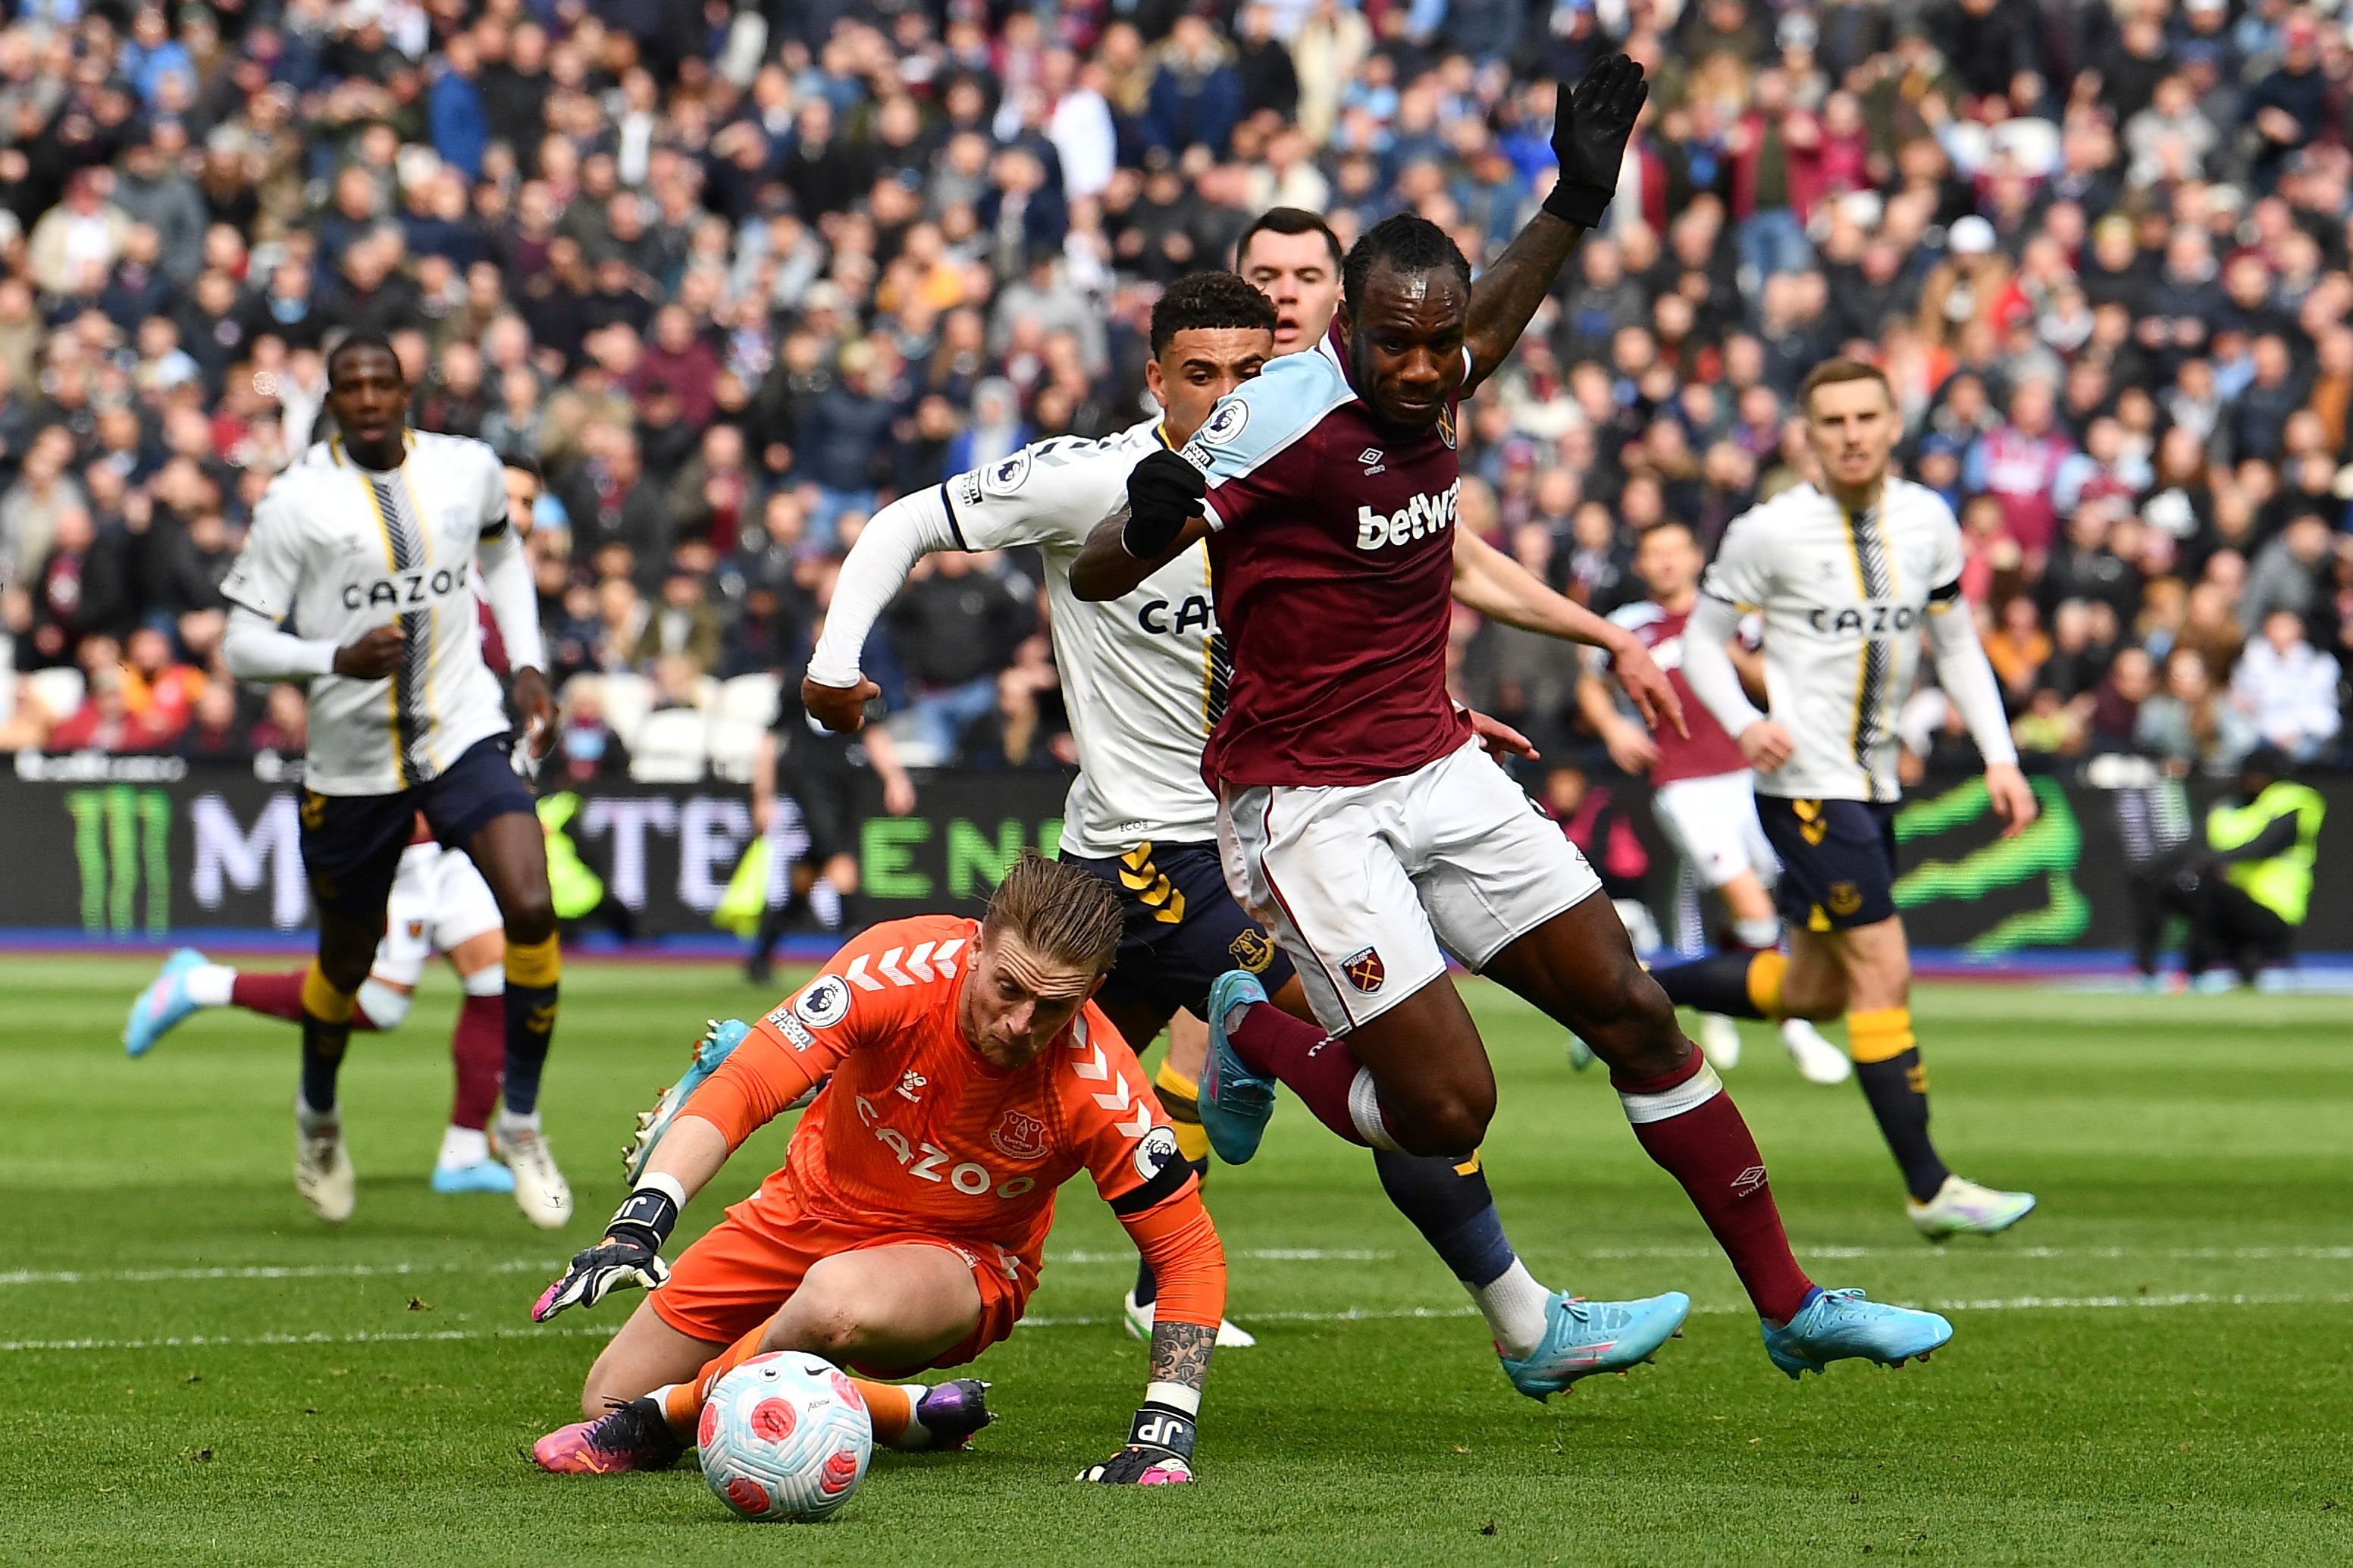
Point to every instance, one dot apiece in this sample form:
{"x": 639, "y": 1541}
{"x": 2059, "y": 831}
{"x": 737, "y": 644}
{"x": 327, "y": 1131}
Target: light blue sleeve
{"x": 1258, "y": 421}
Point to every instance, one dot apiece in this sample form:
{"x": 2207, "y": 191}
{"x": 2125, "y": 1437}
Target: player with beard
{"x": 1145, "y": 676}
{"x": 1358, "y": 817}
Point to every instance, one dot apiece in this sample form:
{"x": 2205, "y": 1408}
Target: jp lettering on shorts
{"x": 1369, "y": 887}
{"x": 1712, "y": 822}
{"x": 1184, "y": 929}
{"x": 352, "y": 844}
{"x": 1838, "y": 860}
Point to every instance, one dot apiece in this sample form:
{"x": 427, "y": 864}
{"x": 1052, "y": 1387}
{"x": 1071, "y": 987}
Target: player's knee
{"x": 834, "y": 1328}
{"x": 1633, "y": 1025}
{"x": 529, "y": 917}
{"x": 1451, "y": 1124}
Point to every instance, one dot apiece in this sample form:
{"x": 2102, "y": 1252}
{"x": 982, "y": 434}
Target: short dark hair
{"x": 1835, "y": 372}
{"x": 361, "y": 339}
{"x": 1288, "y": 220}
{"x": 1208, "y": 299}
{"x": 523, "y": 464}
{"x": 1408, "y": 242}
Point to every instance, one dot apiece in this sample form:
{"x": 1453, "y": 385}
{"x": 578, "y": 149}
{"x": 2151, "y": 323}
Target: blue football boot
{"x": 719, "y": 1041}
{"x": 1584, "y": 1338}
{"x": 1839, "y": 1324}
{"x": 161, "y": 1008}
{"x": 1235, "y": 1101}
{"x": 481, "y": 1176}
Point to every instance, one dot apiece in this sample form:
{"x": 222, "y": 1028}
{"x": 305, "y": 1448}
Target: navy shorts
{"x": 1184, "y": 929}
{"x": 352, "y": 844}
{"x": 1838, "y": 860}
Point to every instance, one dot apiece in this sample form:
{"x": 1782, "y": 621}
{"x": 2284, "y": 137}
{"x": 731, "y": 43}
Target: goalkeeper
{"x": 970, "y": 1076}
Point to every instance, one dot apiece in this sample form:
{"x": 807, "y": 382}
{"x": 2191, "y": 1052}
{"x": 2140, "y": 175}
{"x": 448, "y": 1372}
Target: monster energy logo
{"x": 2050, "y": 848}
{"x": 122, "y": 831}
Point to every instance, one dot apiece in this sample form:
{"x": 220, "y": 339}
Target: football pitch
{"x": 2156, "y": 1367}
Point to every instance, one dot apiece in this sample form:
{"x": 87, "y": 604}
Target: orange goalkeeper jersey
{"x": 917, "y": 1131}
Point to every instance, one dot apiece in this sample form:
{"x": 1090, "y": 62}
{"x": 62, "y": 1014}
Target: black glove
{"x": 630, "y": 1254}
{"x": 1164, "y": 493}
{"x": 1159, "y": 1451}
{"x": 1589, "y": 129}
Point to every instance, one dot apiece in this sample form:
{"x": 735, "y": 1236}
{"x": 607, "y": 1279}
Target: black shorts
{"x": 1184, "y": 929}
{"x": 828, "y": 805}
{"x": 352, "y": 844}
{"x": 1838, "y": 860}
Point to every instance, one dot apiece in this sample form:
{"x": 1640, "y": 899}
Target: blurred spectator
{"x": 2190, "y": 725}
{"x": 953, "y": 628}
{"x": 105, "y": 721}
{"x": 2288, "y": 688}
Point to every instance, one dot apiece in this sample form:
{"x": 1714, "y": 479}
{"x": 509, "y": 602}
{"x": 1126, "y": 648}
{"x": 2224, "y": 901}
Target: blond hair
{"x": 1059, "y": 911}
{"x": 1832, "y": 372}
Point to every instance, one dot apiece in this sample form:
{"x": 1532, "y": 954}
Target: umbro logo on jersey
{"x": 918, "y": 966}
{"x": 1371, "y": 458}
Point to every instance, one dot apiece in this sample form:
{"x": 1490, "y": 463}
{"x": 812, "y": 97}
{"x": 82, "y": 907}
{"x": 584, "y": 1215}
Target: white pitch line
{"x": 1255, "y": 1254}
{"x": 275, "y": 1272}
{"x": 1349, "y": 1315}
{"x": 1997, "y": 1252}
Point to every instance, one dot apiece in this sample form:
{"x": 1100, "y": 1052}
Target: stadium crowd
{"x": 732, "y": 275}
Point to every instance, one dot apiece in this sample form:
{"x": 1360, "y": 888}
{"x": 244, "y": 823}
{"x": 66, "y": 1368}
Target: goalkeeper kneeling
{"x": 964, "y": 1075}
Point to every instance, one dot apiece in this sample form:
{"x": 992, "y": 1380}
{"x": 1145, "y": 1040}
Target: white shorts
{"x": 1362, "y": 884}
{"x": 1713, "y": 824}
{"x": 438, "y": 902}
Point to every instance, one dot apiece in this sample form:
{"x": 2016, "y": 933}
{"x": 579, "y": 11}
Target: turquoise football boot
{"x": 1584, "y": 1338}
{"x": 1235, "y": 1101}
{"x": 1837, "y": 1325}
{"x": 719, "y": 1041}
{"x": 481, "y": 1176}
{"x": 162, "y": 1005}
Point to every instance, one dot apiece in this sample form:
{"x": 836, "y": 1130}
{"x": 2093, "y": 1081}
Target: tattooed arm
{"x": 1177, "y": 1239}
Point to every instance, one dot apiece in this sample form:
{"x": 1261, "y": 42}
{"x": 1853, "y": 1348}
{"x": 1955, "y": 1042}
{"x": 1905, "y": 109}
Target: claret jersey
{"x": 915, "y": 1131}
{"x": 1333, "y": 557}
{"x": 1846, "y": 599}
{"x": 342, "y": 549}
{"x": 1707, "y": 751}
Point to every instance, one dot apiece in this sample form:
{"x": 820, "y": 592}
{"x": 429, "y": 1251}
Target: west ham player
{"x": 1145, "y": 677}
{"x": 1358, "y": 817}
{"x": 1848, "y": 573}
{"x": 1701, "y": 788}
{"x": 369, "y": 544}
{"x": 970, "y": 1076}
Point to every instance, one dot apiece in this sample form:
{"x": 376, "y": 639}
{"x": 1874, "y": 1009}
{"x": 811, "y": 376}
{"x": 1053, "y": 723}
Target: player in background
{"x": 971, "y": 1075}
{"x": 439, "y": 903}
{"x": 1849, "y": 571}
{"x": 369, "y": 544}
{"x": 1145, "y": 677}
{"x": 1700, "y": 789}
{"x": 1358, "y": 817}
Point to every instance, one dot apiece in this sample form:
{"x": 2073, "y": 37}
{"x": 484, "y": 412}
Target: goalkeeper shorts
{"x": 746, "y": 1267}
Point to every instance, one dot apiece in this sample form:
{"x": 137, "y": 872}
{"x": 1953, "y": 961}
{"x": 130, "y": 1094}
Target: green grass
{"x": 2156, "y": 1369}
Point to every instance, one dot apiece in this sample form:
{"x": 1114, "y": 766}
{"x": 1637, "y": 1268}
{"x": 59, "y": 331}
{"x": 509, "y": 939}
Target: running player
{"x": 369, "y": 544}
{"x": 971, "y": 1076}
{"x": 1358, "y": 817}
{"x": 1701, "y": 787}
{"x": 1145, "y": 677}
{"x": 1848, "y": 573}
{"x": 439, "y": 903}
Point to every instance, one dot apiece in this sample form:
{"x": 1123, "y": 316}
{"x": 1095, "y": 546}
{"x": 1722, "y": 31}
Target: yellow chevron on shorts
{"x": 1811, "y": 824}
{"x": 1139, "y": 876}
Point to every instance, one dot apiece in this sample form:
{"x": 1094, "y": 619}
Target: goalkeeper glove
{"x": 1163, "y": 492}
{"x": 630, "y": 1254}
{"x": 1590, "y": 126}
{"x": 1159, "y": 1451}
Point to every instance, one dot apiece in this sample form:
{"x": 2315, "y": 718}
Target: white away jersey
{"x": 345, "y": 550}
{"x": 1844, "y": 600}
{"x": 1144, "y": 675}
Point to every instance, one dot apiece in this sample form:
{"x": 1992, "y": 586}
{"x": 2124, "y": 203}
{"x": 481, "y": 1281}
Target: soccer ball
{"x": 785, "y": 1436}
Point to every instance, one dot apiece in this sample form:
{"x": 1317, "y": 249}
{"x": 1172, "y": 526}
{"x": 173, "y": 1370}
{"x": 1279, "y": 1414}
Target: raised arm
{"x": 1591, "y": 128}
{"x": 1500, "y": 588}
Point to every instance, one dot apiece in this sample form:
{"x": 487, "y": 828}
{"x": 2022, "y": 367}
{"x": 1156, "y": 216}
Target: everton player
{"x": 967, "y": 1074}
{"x": 1701, "y": 790}
{"x": 1145, "y": 676}
{"x": 368, "y": 544}
{"x": 1848, "y": 573}
{"x": 1358, "y": 817}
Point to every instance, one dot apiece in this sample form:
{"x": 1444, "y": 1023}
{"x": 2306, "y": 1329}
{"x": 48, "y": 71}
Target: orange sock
{"x": 682, "y": 1402}
{"x": 893, "y": 1407}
